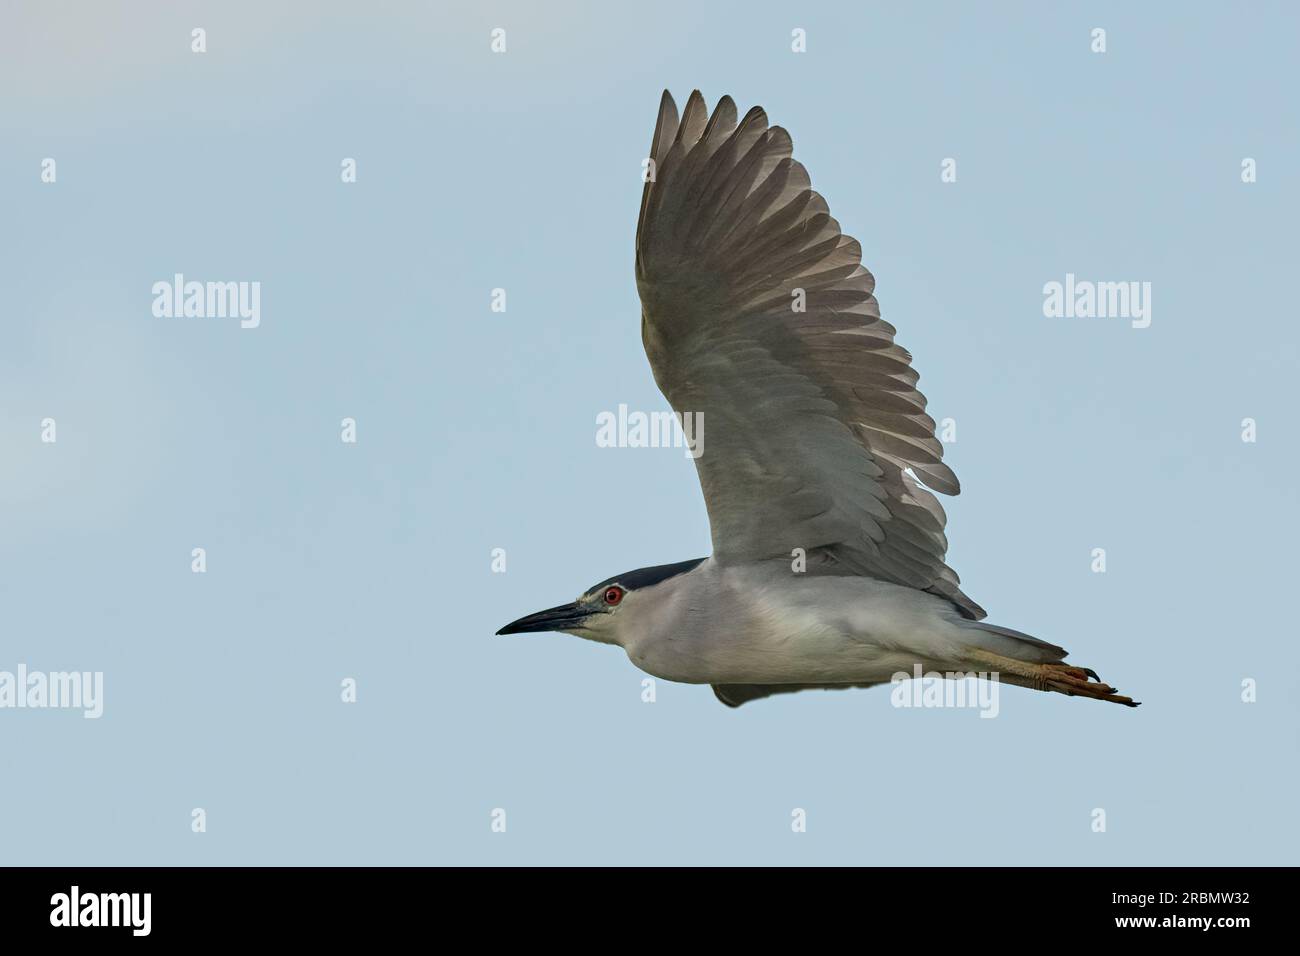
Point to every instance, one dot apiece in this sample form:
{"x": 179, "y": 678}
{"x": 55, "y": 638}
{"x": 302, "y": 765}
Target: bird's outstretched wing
{"x": 757, "y": 315}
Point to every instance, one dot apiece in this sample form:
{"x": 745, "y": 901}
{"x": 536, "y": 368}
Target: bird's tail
{"x": 1016, "y": 644}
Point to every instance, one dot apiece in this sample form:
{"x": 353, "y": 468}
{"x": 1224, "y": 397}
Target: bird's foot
{"x": 1060, "y": 678}
{"x": 1078, "y": 682}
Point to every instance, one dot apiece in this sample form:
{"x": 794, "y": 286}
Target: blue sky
{"x": 476, "y": 429}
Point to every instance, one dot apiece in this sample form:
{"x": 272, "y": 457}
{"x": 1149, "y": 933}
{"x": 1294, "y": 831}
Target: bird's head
{"x": 602, "y": 611}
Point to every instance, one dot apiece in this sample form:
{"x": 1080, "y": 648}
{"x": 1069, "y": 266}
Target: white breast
{"x": 757, "y": 624}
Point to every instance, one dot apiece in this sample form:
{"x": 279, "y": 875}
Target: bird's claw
{"x": 1074, "y": 682}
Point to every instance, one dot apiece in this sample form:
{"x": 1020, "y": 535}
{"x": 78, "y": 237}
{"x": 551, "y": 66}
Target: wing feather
{"x": 816, "y": 436}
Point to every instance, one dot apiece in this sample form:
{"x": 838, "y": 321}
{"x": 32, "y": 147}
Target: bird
{"x": 828, "y": 567}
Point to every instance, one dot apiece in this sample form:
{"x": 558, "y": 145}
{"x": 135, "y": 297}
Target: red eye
{"x": 613, "y": 596}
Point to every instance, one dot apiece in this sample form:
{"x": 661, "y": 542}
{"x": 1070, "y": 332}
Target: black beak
{"x": 562, "y": 618}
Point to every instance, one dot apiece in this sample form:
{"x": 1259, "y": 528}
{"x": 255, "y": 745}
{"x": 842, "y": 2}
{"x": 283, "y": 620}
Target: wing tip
{"x": 719, "y": 693}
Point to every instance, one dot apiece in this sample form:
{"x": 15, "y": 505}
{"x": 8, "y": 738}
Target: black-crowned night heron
{"x": 828, "y": 553}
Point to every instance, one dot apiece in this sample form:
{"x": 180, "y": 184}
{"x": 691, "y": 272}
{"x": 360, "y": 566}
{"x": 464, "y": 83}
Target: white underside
{"x": 765, "y": 624}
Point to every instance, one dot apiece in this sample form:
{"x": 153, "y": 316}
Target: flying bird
{"x": 828, "y": 565}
